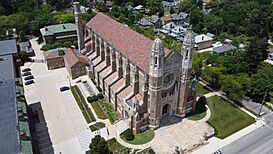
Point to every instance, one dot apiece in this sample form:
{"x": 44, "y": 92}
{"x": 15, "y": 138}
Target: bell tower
{"x": 186, "y": 101}
{"x": 155, "y": 82}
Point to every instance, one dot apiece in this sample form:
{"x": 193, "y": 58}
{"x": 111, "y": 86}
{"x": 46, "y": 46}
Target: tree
{"x": 155, "y": 6}
{"x": 101, "y": 6}
{"x": 256, "y": 52}
{"x": 201, "y": 104}
{"x": 128, "y": 134}
{"x": 233, "y": 89}
{"x": 64, "y": 18}
{"x": 98, "y": 145}
{"x": 212, "y": 75}
{"x": 198, "y": 61}
{"x": 185, "y": 6}
{"x": 262, "y": 82}
{"x": 213, "y": 24}
{"x": 196, "y": 20}
{"x": 234, "y": 62}
{"x": 172, "y": 10}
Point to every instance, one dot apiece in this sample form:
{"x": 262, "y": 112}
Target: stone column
{"x": 113, "y": 59}
{"x": 102, "y": 52}
{"x": 127, "y": 72}
{"x": 135, "y": 80}
{"x": 145, "y": 91}
{"x": 120, "y": 67}
{"x": 107, "y": 51}
{"x": 97, "y": 46}
{"x": 92, "y": 41}
{"x": 78, "y": 22}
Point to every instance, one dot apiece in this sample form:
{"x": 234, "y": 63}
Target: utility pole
{"x": 262, "y": 103}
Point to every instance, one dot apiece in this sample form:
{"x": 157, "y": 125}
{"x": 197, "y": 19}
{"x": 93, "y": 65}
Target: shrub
{"x": 93, "y": 98}
{"x": 100, "y": 96}
{"x": 67, "y": 44}
{"x": 128, "y": 134}
{"x": 201, "y": 104}
{"x": 99, "y": 89}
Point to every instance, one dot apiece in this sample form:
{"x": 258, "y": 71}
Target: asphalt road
{"x": 255, "y": 107}
{"x": 259, "y": 141}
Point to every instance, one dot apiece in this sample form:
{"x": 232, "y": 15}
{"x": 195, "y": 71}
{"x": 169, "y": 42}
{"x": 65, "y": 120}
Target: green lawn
{"x": 226, "y": 118}
{"x": 197, "y": 116}
{"x": 88, "y": 115}
{"x": 201, "y": 89}
{"x": 111, "y": 113}
{"x": 115, "y": 146}
{"x": 98, "y": 110}
{"x": 141, "y": 138}
{"x": 93, "y": 128}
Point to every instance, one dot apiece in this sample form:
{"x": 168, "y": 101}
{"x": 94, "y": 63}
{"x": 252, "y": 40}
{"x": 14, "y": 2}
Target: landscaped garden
{"x": 97, "y": 126}
{"x": 88, "y": 115}
{"x": 197, "y": 116}
{"x": 140, "y": 138}
{"x": 226, "y": 118}
{"x": 104, "y": 110}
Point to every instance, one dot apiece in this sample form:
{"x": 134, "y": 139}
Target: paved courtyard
{"x": 184, "y": 134}
{"x": 67, "y": 128}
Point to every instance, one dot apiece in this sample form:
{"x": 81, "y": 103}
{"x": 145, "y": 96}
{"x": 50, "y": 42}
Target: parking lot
{"x": 67, "y": 128}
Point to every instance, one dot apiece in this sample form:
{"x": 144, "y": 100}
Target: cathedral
{"x": 141, "y": 79}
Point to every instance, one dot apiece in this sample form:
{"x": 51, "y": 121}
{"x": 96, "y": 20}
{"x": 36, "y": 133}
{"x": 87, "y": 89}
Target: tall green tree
{"x": 155, "y": 6}
{"x": 98, "y": 146}
{"x": 256, "y": 52}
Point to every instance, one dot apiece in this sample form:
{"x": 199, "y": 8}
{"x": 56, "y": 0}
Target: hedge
{"x": 128, "y": 134}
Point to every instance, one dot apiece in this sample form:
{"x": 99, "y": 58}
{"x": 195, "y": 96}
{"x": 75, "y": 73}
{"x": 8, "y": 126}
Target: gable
{"x": 173, "y": 59}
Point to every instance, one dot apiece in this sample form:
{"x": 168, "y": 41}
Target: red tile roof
{"x": 50, "y": 55}
{"x": 111, "y": 78}
{"x": 118, "y": 84}
{"x": 131, "y": 44}
{"x": 126, "y": 92}
{"x": 72, "y": 58}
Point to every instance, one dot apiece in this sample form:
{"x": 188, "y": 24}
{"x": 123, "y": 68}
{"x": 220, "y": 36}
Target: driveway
{"x": 67, "y": 128}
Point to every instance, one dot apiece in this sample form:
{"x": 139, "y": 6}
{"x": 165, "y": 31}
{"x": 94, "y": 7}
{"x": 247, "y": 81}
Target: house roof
{"x": 8, "y": 47}
{"x": 202, "y": 38}
{"x": 72, "y": 57}
{"x": 166, "y": 18}
{"x": 134, "y": 46}
{"x": 153, "y": 19}
{"x": 224, "y": 48}
{"x": 9, "y": 133}
{"x": 145, "y": 22}
{"x": 53, "y": 29}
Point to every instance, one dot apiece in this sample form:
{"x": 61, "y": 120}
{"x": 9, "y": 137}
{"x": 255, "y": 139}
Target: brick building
{"x": 59, "y": 33}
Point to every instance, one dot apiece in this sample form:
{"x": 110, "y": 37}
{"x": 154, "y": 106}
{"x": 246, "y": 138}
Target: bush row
{"x": 94, "y": 98}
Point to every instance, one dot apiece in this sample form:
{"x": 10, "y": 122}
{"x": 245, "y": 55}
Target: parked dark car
{"x": 26, "y": 70}
{"x": 29, "y": 82}
{"x": 64, "y": 88}
{"x": 30, "y": 77}
{"x": 26, "y": 73}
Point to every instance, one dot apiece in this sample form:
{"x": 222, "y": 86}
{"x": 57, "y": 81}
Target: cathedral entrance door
{"x": 166, "y": 110}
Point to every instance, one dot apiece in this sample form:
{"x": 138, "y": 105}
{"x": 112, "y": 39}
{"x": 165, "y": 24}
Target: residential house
{"x": 169, "y": 5}
{"x": 166, "y": 19}
{"x": 203, "y": 41}
{"x": 180, "y": 19}
{"x": 59, "y": 33}
{"x": 156, "y": 21}
{"x": 145, "y": 23}
{"x": 220, "y": 50}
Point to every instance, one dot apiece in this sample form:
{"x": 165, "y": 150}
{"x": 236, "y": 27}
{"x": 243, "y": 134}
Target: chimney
{"x": 202, "y": 37}
{"x": 46, "y": 29}
{"x": 78, "y": 22}
{"x": 63, "y": 26}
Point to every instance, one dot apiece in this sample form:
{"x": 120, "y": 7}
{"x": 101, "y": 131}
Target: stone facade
{"x": 139, "y": 92}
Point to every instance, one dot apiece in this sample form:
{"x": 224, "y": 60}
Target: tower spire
{"x": 157, "y": 58}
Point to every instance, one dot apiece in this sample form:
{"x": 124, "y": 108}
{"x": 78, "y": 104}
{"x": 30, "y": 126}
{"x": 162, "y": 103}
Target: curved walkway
{"x": 208, "y": 114}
